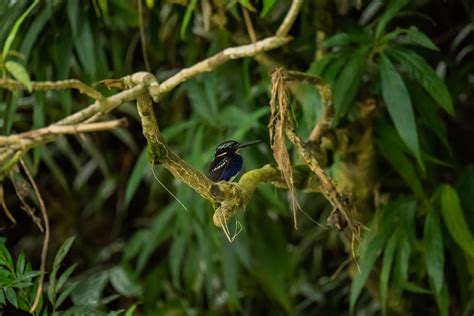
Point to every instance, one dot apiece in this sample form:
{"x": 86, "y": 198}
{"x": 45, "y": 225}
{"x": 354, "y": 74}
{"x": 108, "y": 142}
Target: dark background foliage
{"x": 137, "y": 250}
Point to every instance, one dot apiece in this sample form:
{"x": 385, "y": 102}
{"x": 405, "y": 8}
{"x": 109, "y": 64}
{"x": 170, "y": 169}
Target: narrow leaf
{"x": 84, "y": 46}
{"x": 131, "y": 310}
{"x": 72, "y": 10}
{"x": 11, "y": 296}
{"x": 187, "y": 18}
{"x": 347, "y": 84}
{"x": 371, "y": 248}
{"x": 15, "y": 28}
{"x": 124, "y": 283}
{"x": 434, "y": 254}
{"x": 19, "y": 72}
{"x": 64, "y": 277}
{"x": 20, "y": 264}
{"x": 66, "y": 293}
{"x": 386, "y": 268}
{"x": 399, "y": 106}
{"x": 454, "y": 218}
{"x": 136, "y": 177}
{"x": 62, "y": 252}
{"x": 392, "y": 9}
{"x": 267, "y": 5}
{"x": 425, "y": 76}
{"x": 419, "y": 38}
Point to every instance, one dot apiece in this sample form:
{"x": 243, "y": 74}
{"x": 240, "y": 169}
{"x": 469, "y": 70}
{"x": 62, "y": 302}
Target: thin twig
{"x": 60, "y": 130}
{"x": 210, "y": 63}
{"x": 53, "y": 85}
{"x": 289, "y": 18}
{"x": 44, "y": 251}
{"x": 248, "y": 25}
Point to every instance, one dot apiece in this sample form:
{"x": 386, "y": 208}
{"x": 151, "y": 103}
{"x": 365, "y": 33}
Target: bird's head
{"x": 231, "y": 146}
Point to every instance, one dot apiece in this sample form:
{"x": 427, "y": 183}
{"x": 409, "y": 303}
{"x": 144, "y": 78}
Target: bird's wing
{"x": 217, "y": 168}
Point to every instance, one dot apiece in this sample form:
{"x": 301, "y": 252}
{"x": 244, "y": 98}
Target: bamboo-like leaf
{"x": 392, "y": 9}
{"x": 371, "y": 249}
{"x": 29, "y": 40}
{"x": 11, "y": 36}
{"x": 425, "y": 76}
{"x": 124, "y": 283}
{"x": 18, "y": 71}
{"x": 176, "y": 255}
{"x": 392, "y": 151}
{"x": 84, "y": 46}
{"x": 135, "y": 178}
{"x": 347, "y": 84}
{"x": 132, "y": 308}
{"x": 434, "y": 251}
{"x": 399, "y": 106}
{"x": 454, "y": 218}
{"x": 267, "y": 5}
{"x": 62, "y": 252}
{"x": 419, "y": 38}
{"x": 11, "y": 296}
{"x": 187, "y": 18}
{"x": 386, "y": 268}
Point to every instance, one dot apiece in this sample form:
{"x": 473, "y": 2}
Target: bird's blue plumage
{"x": 233, "y": 168}
{"x": 227, "y": 163}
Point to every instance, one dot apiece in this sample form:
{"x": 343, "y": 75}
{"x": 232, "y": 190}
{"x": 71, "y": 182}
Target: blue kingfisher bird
{"x": 227, "y": 162}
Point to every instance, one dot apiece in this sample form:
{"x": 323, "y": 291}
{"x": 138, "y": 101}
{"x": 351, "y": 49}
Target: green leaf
{"x": 84, "y": 45}
{"x": 434, "y": 251}
{"x": 19, "y": 72}
{"x": 267, "y": 5}
{"x": 425, "y": 76}
{"x": 20, "y": 264}
{"x": 2, "y": 298}
{"x": 176, "y": 255}
{"x": 124, "y": 283}
{"x": 415, "y": 288}
{"x": 443, "y": 301}
{"x": 11, "y": 296}
{"x": 29, "y": 40}
{"x": 427, "y": 108}
{"x": 89, "y": 291}
{"x": 454, "y": 218}
{"x": 10, "y": 113}
{"x": 72, "y": 10}
{"x": 392, "y": 9}
{"x": 187, "y": 18}
{"x": 11, "y": 36}
{"x": 5, "y": 257}
{"x": 386, "y": 268}
{"x": 343, "y": 39}
{"x": 399, "y": 106}
{"x": 347, "y": 84}
{"x": 371, "y": 248}
{"x": 393, "y": 151}
{"x": 131, "y": 310}
{"x": 62, "y": 252}
{"x": 248, "y": 5}
{"x": 135, "y": 178}
{"x": 64, "y": 277}
{"x": 62, "y": 297}
{"x": 419, "y": 38}
{"x": 158, "y": 232}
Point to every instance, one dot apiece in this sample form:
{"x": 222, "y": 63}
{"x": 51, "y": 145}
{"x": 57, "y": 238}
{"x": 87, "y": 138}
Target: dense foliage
{"x": 401, "y": 75}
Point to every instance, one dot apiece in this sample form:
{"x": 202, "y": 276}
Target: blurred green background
{"x": 136, "y": 251}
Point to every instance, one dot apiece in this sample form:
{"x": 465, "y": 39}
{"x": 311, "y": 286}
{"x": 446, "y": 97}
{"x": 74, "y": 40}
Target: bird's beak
{"x": 245, "y": 144}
